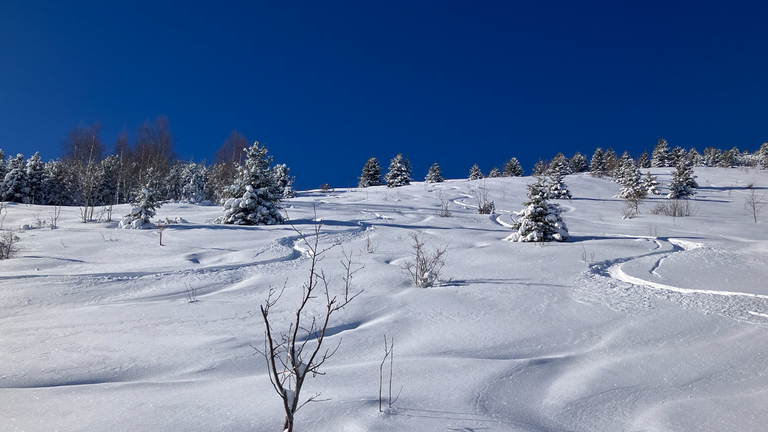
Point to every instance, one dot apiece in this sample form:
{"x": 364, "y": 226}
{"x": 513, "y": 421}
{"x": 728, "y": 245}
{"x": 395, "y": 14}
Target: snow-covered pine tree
{"x": 624, "y": 168}
{"x": 660, "y": 156}
{"x": 35, "y": 176}
{"x": 539, "y": 221}
{"x": 3, "y": 171}
{"x": 144, "y": 208}
{"x": 260, "y": 200}
{"x": 513, "y": 168}
{"x": 557, "y": 189}
{"x": 611, "y": 161}
{"x": 434, "y": 175}
{"x": 283, "y": 180}
{"x": 107, "y": 183}
{"x": 651, "y": 184}
{"x": 712, "y": 157}
{"x": 398, "y": 174}
{"x": 597, "y": 166}
{"x": 677, "y": 155}
{"x": 494, "y": 173}
{"x": 683, "y": 184}
{"x": 475, "y": 173}
{"x": 727, "y": 159}
{"x": 632, "y": 190}
{"x": 539, "y": 168}
{"x": 644, "y": 161}
{"x": 561, "y": 164}
{"x": 694, "y": 158}
{"x": 762, "y": 155}
{"x": 579, "y": 163}
{"x": 15, "y": 184}
{"x": 194, "y": 182}
{"x": 371, "y": 175}
{"x": 55, "y": 191}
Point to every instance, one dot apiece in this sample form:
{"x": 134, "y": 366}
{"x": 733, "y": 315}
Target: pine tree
{"x": 763, "y": 155}
{"x": 694, "y": 158}
{"x": 632, "y": 190}
{"x": 434, "y": 175}
{"x": 712, "y": 157}
{"x": 624, "y": 168}
{"x": 677, "y": 155}
{"x": 683, "y": 183}
{"x": 15, "y": 184}
{"x": 194, "y": 181}
{"x": 539, "y": 168}
{"x": 371, "y": 175}
{"x": 3, "y": 171}
{"x": 660, "y": 156}
{"x": 611, "y": 162}
{"x": 494, "y": 173}
{"x": 513, "y": 168}
{"x": 651, "y": 184}
{"x": 540, "y": 221}
{"x": 561, "y": 164}
{"x": 144, "y": 208}
{"x": 283, "y": 180}
{"x": 260, "y": 200}
{"x": 597, "y": 166}
{"x": 644, "y": 161}
{"x": 398, "y": 174}
{"x": 106, "y": 188}
{"x": 54, "y": 188}
{"x": 557, "y": 187}
{"x": 35, "y": 176}
{"x": 579, "y": 163}
{"x": 475, "y": 173}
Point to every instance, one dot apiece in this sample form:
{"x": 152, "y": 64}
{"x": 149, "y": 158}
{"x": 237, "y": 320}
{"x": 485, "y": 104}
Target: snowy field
{"x": 647, "y": 324}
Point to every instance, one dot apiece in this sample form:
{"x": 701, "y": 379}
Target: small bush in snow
{"x": 675, "y": 208}
{"x": 142, "y": 211}
{"x": 7, "y": 241}
{"x": 540, "y": 221}
{"x": 426, "y": 266}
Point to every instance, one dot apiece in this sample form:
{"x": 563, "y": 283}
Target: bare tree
{"x": 293, "y": 354}
{"x": 82, "y": 151}
{"x": 426, "y": 267}
{"x": 754, "y": 203}
{"x": 227, "y": 159}
{"x": 7, "y": 241}
{"x": 153, "y": 150}
{"x": 389, "y": 352}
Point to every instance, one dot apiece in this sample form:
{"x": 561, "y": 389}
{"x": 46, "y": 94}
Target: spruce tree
{"x": 712, "y": 157}
{"x": 644, "y": 161}
{"x": 562, "y": 164}
{"x": 434, "y": 175}
{"x": 15, "y": 184}
{"x": 539, "y": 221}
{"x": 632, "y": 190}
{"x": 144, "y": 208}
{"x": 611, "y": 162}
{"x": 677, "y": 155}
{"x": 694, "y": 158}
{"x": 107, "y": 183}
{"x": 651, "y": 184}
{"x": 624, "y": 168}
{"x": 763, "y": 155}
{"x": 579, "y": 163}
{"x": 660, "y": 156}
{"x": 513, "y": 168}
{"x": 398, "y": 174}
{"x": 259, "y": 203}
{"x": 494, "y": 173}
{"x": 683, "y": 183}
{"x": 475, "y": 173}
{"x": 597, "y": 166}
{"x": 35, "y": 177}
{"x": 283, "y": 180}
{"x": 539, "y": 168}
{"x": 371, "y": 175}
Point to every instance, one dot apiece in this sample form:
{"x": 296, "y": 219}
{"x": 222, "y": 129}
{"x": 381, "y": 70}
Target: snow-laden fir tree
{"x": 15, "y": 185}
{"x": 107, "y": 181}
{"x": 677, "y": 155}
{"x": 762, "y": 156}
{"x": 712, "y": 156}
{"x": 625, "y": 167}
{"x": 3, "y": 170}
{"x": 579, "y": 163}
{"x": 632, "y": 190}
{"x": 660, "y": 156}
{"x": 475, "y": 173}
{"x": 35, "y": 177}
{"x": 144, "y": 208}
{"x": 683, "y": 184}
{"x": 651, "y": 184}
{"x": 259, "y": 199}
{"x": 513, "y": 168}
{"x": 644, "y": 161}
{"x": 556, "y": 187}
{"x": 611, "y": 161}
{"x": 398, "y": 174}
{"x": 54, "y": 184}
{"x": 539, "y": 168}
{"x": 494, "y": 173}
{"x": 371, "y": 175}
{"x": 694, "y": 158}
{"x": 283, "y": 180}
{"x": 539, "y": 221}
{"x": 434, "y": 175}
{"x": 194, "y": 182}
{"x": 561, "y": 164}
{"x": 597, "y": 165}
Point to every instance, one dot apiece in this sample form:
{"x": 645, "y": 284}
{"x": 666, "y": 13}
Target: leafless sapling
{"x": 297, "y": 352}
{"x": 754, "y": 203}
{"x": 160, "y": 229}
{"x": 389, "y": 349}
{"x": 425, "y": 267}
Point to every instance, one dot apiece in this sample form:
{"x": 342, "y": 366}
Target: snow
{"x": 651, "y": 323}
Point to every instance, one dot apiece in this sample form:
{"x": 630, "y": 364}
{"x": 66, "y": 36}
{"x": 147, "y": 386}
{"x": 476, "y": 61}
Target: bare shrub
{"x": 326, "y": 188}
{"x": 160, "y": 228}
{"x": 754, "y": 203}
{"x": 293, "y": 354}
{"x": 480, "y": 195}
{"x": 444, "y": 204}
{"x": 675, "y": 208}
{"x": 54, "y": 217}
{"x": 389, "y": 352}
{"x": 584, "y": 257}
{"x": 425, "y": 267}
{"x": 7, "y": 241}
{"x": 3, "y": 213}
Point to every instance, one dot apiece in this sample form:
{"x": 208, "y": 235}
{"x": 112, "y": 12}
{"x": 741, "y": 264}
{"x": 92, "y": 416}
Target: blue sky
{"x": 326, "y": 85}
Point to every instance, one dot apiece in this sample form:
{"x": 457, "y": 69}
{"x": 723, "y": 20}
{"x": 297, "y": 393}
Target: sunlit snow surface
{"x": 646, "y": 324}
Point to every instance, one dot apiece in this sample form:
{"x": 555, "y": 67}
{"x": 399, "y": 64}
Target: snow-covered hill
{"x": 646, "y": 324}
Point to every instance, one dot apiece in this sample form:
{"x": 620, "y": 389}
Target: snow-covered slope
{"x": 646, "y": 324}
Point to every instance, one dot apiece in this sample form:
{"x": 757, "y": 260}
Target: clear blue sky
{"x": 326, "y": 85}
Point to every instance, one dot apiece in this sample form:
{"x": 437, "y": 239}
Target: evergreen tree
{"x": 644, "y": 161}
{"x": 651, "y": 184}
{"x": 398, "y": 174}
{"x": 579, "y": 163}
{"x": 632, "y": 190}
{"x": 611, "y": 161}
{"x": 15, "y": 184}
{"x": 260, "y": 199}
{"x": 763, "y": 155}
{"x": 539, "y": 168}
{"x": 683, "y": 183}
{"x": 194, "y": 181}
{"x": 677, "y": 155}
{"x": 694, "y": 158}
{"x": 54, "y": 188}
{"x": 727, "y": 159}
{"x": 513, "y": 168}
{"x": 434, "y": 175}
{"x": 597, "y": 166}
{"x": 371, "y": 175}
{"x": 494, "y": 173}
{"x": 144, "y": 208}
{"x": 624, "y": 168}
{"x": 35, "y": 176}
{"x": 561, "y": 164}
{"x": 539, "y": 221}
{"x": 712, "y": 157}
{"x": 557, "y": 188}
{"x": 3, "y": 171}
{"x": 283, "y": 180}
{"x": 660, "y": 156}
{"x": 475, "y": 173}
{"x": 106, "y": 189}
